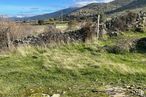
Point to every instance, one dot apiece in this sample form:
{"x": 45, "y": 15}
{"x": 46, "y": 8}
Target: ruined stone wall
{"x": 126, "y": 22}
{"x": 81, "y": 35}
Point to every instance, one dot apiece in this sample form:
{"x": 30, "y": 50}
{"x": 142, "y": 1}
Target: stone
{"x": 116, "y": 92}
{"x": 113, "y": 34}
{"x": 53, "y": 37}
{"x": 55, "y": 95}
{"x": 140, "y": 92}
{"x": 45, "y": 95}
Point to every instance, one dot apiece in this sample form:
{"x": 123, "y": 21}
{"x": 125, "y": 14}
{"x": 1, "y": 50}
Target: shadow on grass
{"x": 141, "y": 45}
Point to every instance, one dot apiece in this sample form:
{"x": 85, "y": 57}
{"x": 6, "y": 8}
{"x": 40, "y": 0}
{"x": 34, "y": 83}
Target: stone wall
{"x": 127, "y": 22}
{"x": 87, "y": 33}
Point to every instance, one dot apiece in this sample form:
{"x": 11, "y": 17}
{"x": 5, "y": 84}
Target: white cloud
{"x": 80, "y": 3}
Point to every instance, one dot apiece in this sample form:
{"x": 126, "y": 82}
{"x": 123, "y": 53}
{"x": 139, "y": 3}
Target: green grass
{"x": 73, "y": 70}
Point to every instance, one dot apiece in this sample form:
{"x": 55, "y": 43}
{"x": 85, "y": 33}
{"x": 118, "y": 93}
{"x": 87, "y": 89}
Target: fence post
{"x": 8, "y": 38}
{"x": 98, "y": 25}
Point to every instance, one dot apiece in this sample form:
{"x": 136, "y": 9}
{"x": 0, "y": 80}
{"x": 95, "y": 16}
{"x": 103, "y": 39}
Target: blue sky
{"x": 35, "y": 7}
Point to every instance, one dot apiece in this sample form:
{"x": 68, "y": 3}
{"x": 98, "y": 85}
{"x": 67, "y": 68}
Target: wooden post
{"x": 98, "y": 25}
{"x": 8, "y": 38}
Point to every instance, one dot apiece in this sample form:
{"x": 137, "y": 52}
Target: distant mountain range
{"x": 53, "y": 15}
{"x": 110, "y": 8}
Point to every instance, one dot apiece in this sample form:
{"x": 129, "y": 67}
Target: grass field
{"x": 72, "y": 70}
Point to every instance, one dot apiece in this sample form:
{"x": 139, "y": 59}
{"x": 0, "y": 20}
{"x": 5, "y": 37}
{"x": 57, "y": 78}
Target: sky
{"x": 35, "y": 7}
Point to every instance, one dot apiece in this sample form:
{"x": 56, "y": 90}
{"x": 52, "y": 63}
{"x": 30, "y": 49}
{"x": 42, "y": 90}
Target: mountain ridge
{"x": 94, "y": 9}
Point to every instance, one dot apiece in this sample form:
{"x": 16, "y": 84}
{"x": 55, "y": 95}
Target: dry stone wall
{"x": 86, "y": 33}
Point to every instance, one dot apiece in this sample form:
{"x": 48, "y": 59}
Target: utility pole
{"x": 8, "y": 38}
{"x": 62, "y": 16}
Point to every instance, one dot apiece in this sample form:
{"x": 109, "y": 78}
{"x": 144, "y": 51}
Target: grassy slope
{"x": 76, "y": 69}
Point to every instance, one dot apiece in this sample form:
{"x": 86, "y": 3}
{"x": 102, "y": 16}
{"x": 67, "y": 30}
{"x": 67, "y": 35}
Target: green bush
{"x": 40, "y": 22}
{"x": 123, "y": 46}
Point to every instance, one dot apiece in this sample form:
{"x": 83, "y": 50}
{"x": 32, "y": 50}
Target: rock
{"x": 39, "y": 95}
{"x": 53, "y": 37}
{"x": 113, "y": 34}
{"x": 139, "y": 29}
{"x": 140, "y": 92}
{"x": 94, "y": 91}
{"x": 45, "y": 95}
{"x": 63, "y": 92}
{"x": 116, "y": 92}
{"x": 56, "y": 95}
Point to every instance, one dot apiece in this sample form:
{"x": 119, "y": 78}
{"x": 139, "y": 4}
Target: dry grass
{"x": 19, "y": 30}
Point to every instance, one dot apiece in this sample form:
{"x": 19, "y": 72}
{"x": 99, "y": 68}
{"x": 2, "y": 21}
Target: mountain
{"x": 111, "y": 8}
{"x": 120, "y": 3}
{"x": 135, "y": 5}
{"x": 96, "y": 8}
{"x": 50, "y": 15}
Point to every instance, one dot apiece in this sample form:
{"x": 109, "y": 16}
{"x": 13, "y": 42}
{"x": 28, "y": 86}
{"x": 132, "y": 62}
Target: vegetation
{"x": 40, "y": 22}
{"x": 72, "y": 70}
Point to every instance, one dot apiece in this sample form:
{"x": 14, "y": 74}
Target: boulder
{"x": 56, "y": 95}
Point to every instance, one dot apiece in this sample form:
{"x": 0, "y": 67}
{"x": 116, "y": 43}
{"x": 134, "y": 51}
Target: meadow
{"x": 71, "y": 70}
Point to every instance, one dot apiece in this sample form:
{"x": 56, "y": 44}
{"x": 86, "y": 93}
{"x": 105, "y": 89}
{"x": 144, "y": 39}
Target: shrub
{"x": 51, "y": 29}
{"x": 16, "y": 30}
{"x": 139, "y": 29}
{"x": 40, "y": 22}
{"x": 123, "y": 46}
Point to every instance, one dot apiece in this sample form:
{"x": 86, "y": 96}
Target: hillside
{"x": 96, "y": 8}
{"x": 135, "y": 5}
{"x": 121, "y": 2}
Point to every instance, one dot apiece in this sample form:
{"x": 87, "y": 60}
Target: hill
{"x": 121, "y": 2}
{"x": 96, "y": 8}
{"x": 134, "y": 5}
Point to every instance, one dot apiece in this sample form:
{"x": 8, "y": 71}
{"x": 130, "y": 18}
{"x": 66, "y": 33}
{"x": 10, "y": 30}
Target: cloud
{"x": 80, "y": 3}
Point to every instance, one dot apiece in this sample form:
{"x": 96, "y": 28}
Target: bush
{"x": 40, "y": 22}
{"x": 16, "y": 30}
{"x": 51, "y": 29}
{"x": 139, "y": 29}
{"x": 124, "y": 46}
